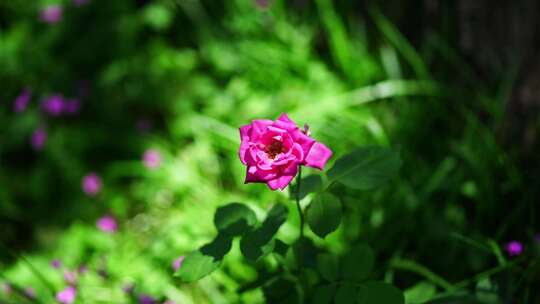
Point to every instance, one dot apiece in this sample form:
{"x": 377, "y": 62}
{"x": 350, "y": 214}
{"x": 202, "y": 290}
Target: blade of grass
{"x": 338, "y": 40}
{"x": 421, "y": 270}
{"x": 391, "y": 89}
{"x": 400, "y": 43}
{"x": 31, "y": 267}
{"x": 441, "y": 46}
{"x": 474, "y": 243}
{"x": 485, "y": 274}
{"x": 496, "y": 250}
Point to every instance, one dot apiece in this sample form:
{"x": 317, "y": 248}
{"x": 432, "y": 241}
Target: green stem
{"x": 298, "y": 184}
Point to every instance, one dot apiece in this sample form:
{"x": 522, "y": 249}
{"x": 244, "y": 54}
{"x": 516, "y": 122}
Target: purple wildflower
{"x": 51, "y": 14}
{"x": 514, "y": 248}
{"x": 54, "y": 105}
{"x": 21, "y": 102}
{"x": 39, "y": 137}
{"x": 56, "y": 264}
{"x": 67, "y": 296}
{"x": 151, "y": 159}
{"x": 178, "y": 262}
{"x": 146, "y": 299}
{"x": 91, "y": 184}
{"x": 537, "y": 238}
{"x": 107, "y": 223}
{"x": 72, "y": 106}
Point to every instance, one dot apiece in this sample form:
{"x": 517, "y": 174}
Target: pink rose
{"x": 273, "y": 150}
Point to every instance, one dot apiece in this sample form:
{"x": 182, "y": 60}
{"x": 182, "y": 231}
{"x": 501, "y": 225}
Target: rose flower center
{"x": 273, "y": 149}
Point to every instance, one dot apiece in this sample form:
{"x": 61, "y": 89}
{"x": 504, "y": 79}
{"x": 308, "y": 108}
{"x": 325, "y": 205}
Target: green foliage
{"x": 358, "y": 263}
{"x": 378, "y": 292}
{"x": 200, "y": 263}
{"x": 324, "y": 214}
{"x": 366, "y": 168}
{"x": 259, "y": 242}
{"x": 323, "y": 294}
{"x": 328, "y": 266}
{"x": 346, "y": 294}
{"x": 420, "y": 293}
{"x": 310, "y": 184}
{"x": 282, "y": 290}
{"x": 180, "y": 77}
{"x": 234, "y": 219}
{"x": 305, "y": 253}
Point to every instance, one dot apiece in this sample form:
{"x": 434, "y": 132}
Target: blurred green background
{"x": 180, "y": 77}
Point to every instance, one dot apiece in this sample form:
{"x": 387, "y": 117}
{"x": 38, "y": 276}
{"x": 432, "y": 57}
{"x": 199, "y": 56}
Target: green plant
{"x": 304, "y": 272}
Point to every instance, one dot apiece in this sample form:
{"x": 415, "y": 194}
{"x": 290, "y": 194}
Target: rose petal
{"x": 318, "y": 156}
{"x": 284, "y": 122}
{"x": 280, "y": 182}
{"x": 256, "y": 175}
{"x": 259, "y": 127}
{"x": 303, "y": 140}
{"x": 298, "y": 152}
{"x": 276, "y": 130}
{"x": 244, "y": 144}
{"x": 291, "y": 169}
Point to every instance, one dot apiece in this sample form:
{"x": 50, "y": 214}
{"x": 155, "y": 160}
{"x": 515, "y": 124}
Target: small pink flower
{"x": 67, "y": 296}
{"x": 273, "y": 150}
{"x": 51, "y": 14}
{"x": 21, "y": 102}
{"x": 56, "y": 264}
{"x": 514, "y": 248}
{"x": 39, "y": 137}
{"x": 107, "y": 224}
{"x": 178, "y": 262}
{"x": 91, "y": 184}
{"x": 53, "y": 105}
{"x": 151, "y": 159}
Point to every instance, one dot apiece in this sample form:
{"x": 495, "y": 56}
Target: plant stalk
{"x": 298, "y": 184}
